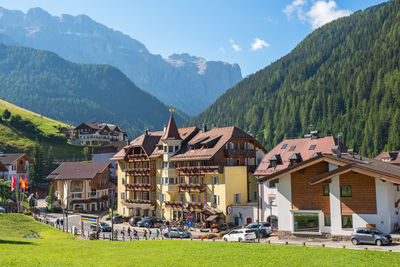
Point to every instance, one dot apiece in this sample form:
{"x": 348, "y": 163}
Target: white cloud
{"x": 323, "y": 12}
{"x": 258, "y": 44}
{"x": 235, "y": 46}
{"x": 222, "y": 49}
{"x": 296, "y": 7}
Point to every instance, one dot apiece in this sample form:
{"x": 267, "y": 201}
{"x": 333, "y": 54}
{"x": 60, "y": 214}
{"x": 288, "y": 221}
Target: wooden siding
{"x": 363, "y": 199}
{"x": 306, "y": 196}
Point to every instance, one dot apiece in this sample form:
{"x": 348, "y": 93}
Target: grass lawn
{"x": 60, "y": 249}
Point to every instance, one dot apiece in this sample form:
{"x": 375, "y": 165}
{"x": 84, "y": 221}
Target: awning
{"x": 211, "y": 218}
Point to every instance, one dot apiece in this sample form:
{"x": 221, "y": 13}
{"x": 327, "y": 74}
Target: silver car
{"x": 2, "y": 210}
{"x": 176, "y": 233}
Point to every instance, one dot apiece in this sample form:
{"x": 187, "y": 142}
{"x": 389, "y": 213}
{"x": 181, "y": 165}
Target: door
{"x": 369, "y": 237}
{"x": 248, "y": 220}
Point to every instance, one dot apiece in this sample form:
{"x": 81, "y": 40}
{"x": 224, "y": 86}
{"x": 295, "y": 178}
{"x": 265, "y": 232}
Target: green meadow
{"x": 56, "y": 248}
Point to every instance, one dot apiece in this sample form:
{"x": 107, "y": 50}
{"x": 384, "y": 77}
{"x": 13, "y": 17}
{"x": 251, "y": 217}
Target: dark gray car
{"x": 264, "y": 228}
{"x": 370, "y": 236}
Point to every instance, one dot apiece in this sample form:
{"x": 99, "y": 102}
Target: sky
{"x": 251, "y": 33}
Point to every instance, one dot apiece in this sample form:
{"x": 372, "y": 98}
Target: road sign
{"x": 190, "y": 217}
{"x": 189, "y": 223}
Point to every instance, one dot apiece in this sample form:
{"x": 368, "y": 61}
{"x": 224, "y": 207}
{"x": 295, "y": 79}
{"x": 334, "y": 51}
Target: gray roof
{"x": 78, "y": 170}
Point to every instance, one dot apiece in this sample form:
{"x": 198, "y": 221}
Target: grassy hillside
{"x": 342, "y": 78}
{"x": 43, "y": 131}
{"x": 59, "y": 249}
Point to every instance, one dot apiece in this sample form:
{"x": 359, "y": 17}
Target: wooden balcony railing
{"x": 192, "y": 187}
{"x": 179, "y": 205}
{"x": 138, "y": 171}
{"x": 141, "y": 187}
{"x": 137, "y": 157}
{"x": 200, "y": 170}
{"x": 239, "y": 153}
{"x": 140, "y": 202}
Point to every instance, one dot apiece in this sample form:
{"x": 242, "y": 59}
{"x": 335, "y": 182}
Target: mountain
{"x": 176, "y": 80}
{"x": 45, "y": 83}
{"x": 342, "y": 78}
{"x": 24, "y": 130}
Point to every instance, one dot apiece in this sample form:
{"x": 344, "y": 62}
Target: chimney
{"x": 314, "y": 135}
{"x": 146, "y": 132}
{"x": 249, "y": 133}
{"x": 204, "y": 125}
{"x": 165, "y": 128}
{"x": 350, "y": 152}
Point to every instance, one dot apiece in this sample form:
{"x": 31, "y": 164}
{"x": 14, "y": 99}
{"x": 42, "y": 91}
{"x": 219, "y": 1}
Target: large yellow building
{"x": 171, "y": 173}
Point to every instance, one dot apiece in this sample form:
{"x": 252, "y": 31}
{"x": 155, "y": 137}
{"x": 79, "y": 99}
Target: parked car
{"x": 103, "y": 227}
{"x": 149, "y": 222}
{"x": 240, "y": 235}
{"x": 264, "y": 228}
{"x": 119, "y": 219}
{"x": 370, "y": 236}
{"x": 133, "y": 221}
{"x": 175, "y": 232}
{"x": 226, "y": 226}
{"x": 2, "y": 210}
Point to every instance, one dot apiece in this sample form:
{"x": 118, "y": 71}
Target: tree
{"x": 51, "y": 198}
{"x": 6, "y": 114}
{"x": 5, "y": 190}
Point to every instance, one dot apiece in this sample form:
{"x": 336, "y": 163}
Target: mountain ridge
{"x": 91, "y": 42}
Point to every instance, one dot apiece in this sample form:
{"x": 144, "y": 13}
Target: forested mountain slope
{"x": 73, "y": 93}
{"x": 342, "y": 78}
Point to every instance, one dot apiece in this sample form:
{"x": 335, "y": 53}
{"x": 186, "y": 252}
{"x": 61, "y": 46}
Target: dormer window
{"x": 292, "y": 148}
{"x": 284, "y": 146}
{"x": 295, "y": 158}
{"x": 274, "y": 161}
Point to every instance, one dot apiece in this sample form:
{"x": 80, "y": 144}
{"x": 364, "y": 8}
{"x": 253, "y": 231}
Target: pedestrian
{"x": 145, "y": 234}
{"x": 149, "y": 234}
{"x": 62, "y": 222}
{"x": 167, "y": 224}
{"x": 58, "y": 222}
{"x": 129, "y": 231}
{"x": 158, "y": 233}
{"x": 116, "y": 234}
{"x": 135, "y": 234}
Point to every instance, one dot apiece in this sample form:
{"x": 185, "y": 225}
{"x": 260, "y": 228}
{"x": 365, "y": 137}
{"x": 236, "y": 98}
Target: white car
{"x": 2, "y": 210}
{"x": 240, "y": 235}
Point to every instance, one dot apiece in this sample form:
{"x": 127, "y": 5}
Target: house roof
{"x": 78, "y": 170}
{"x": 100, "y": 126}
{"x": 110, "y": 148}
{"x": 345, "y": 163}
{"x": 301, "y": 148}
{"x": 171, "y": 132}
{"x": 8, "y": 159}
{"x": 206, "y": 144}
{"x": 389, "y": 157}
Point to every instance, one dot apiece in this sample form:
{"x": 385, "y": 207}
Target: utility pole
{"x": 258, "y": 211}
{"x": 112, "y": 215}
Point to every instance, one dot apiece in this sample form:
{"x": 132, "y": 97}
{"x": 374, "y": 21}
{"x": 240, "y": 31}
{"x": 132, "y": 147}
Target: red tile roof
{"x": 172, "y": 131}
{"x": 78, "y": 170}
{"x": 389, "y": 157}
{"x": 302, "y": 147}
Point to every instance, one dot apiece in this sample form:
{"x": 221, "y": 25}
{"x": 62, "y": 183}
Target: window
{"x": 237, "y": 198}
{"x": 292, "y": 148}
{"x": 306, "y": 222}
{"x": 194, "y": 179}
{"x": 145, "y": 179}
{"x": 231, "y": 146}
{"x": 347, "y": 221}
{"x": 272, "y": 184}
{"x": 199, "y": 198}
{"x": 312, "y": 147}
{"x": 176, "y": 148}
{"x": 272, "y": 201}
{"x": 146, "y": 196}
{"x": 215, "y": 199}
{"x": 325, "y": 190}
{"x": 254, "y": 195}
{"x": 284, "y": 146}
{"x": 214, "y": 180}
{"x": 123, "y": 180}
{"x": 123, "y": 195}
{"x": 327, "y": 219}
{"x": 229, "y": 162}
{"x": 192, "y": 198}
{"x": 162, "y": 197}
{"x": 181, "y": 180}
{"x": 345, "y": 191}
{"x": 145, "y": 165}
{"x": 181, "y": 197}
{"x": 170, "y": 149}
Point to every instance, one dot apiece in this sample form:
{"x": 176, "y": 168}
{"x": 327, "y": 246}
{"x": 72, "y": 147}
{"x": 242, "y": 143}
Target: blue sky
{"x": 250, "y": 33}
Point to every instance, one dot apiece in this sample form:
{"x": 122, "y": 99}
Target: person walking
{"x": 145, "y": 234}
{"x": 149, "y": 234}
{"x": 135, "y": 234}
{"x": 129, "y": 231}
{"x": 158, "y": 233}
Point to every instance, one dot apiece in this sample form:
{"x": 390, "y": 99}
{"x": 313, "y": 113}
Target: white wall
{"x": 266, "y": 208}
{"x": 243, "y": 212}
{"x": 284, "y": 200}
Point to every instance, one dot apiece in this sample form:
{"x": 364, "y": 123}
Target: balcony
{"x": 169, "y": 187}
{"x": 137, "y": 157}
{"x": 139, "y": 203}
{"x": 200, "y": 170}
{"x": 101, "y": 186}
{"x": 140, "y": 187}
{"x": 139, "y": 171}
{"x": 192, "y": 188}
{"x": 179, "y": 205}
{"x": 239, "y": 153}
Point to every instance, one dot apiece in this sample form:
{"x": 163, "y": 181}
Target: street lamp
{"x": 258, "y": 211}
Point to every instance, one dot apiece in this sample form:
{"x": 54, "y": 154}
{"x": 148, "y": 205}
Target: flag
{"x": 26, "y": 182}
{"x": 21, "y": 182}
{"x": 13, "y": 184}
